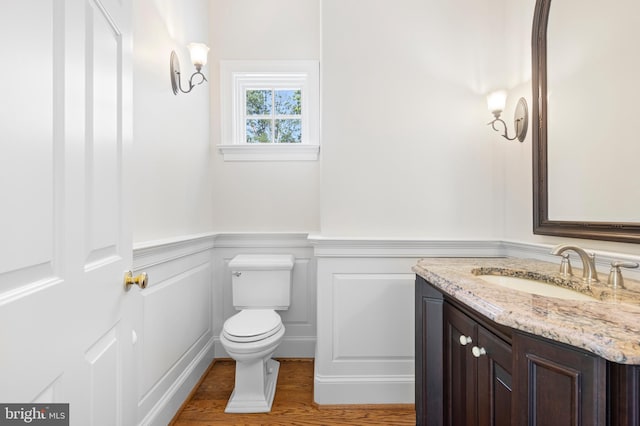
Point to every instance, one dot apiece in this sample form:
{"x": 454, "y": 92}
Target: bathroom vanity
{"x": 487, "y": 354}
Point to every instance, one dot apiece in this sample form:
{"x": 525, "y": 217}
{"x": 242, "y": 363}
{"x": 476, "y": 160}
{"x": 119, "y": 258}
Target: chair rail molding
{"x": 361, "y": 247}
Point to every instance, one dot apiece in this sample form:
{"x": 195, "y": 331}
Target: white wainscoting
{"x": 300, "y": 320}
{"x": 174, "y": 324}
{"x": 352, "y": 309}
{"x": 365, "y": 306}
{"x": 365, "y": 302}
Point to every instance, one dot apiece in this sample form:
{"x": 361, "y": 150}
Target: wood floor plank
{"x": 292, "y": 405}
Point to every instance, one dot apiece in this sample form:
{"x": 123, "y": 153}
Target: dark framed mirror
{"x": 571, "y": 194}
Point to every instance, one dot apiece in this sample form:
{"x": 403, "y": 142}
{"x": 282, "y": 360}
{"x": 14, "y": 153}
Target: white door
{"x": 65, "y": 238}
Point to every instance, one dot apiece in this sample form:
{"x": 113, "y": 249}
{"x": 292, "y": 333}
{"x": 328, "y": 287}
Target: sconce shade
{"x": 496, "y": 101}
{"x": 198, "y": 53}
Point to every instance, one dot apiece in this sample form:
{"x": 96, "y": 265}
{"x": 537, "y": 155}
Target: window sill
{"x": 270, "y": 152}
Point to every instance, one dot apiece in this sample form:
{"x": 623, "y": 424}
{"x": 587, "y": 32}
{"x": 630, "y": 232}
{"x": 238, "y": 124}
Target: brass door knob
{"x": 140, "y": 280}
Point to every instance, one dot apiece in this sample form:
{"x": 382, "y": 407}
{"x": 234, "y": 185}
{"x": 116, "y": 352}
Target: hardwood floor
{"x": 293, "y": 403}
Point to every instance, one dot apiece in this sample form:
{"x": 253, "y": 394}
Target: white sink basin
{"x": 535, "y": 287}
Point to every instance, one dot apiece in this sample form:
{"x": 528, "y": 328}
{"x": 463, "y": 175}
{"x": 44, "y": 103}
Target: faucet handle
{"x": 565, "y": 265}
{"x": 615, "y": 275}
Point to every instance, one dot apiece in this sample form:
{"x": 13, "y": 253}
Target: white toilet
{"x": 261, "y": 284}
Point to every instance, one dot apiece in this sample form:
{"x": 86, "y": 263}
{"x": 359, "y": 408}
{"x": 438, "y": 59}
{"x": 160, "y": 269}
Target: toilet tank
{"x": 261, "y": 281}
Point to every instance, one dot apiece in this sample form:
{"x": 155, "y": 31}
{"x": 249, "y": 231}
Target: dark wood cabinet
{"x": 494, "y": 380}
{"x": 558, "y": 385}
{"x": 515, "y": 379}
{"x": 477, "y": 372}
{"x": 429, "y": 397}
{"x": 460, "y": 368}
{"x": 623, "y": 403}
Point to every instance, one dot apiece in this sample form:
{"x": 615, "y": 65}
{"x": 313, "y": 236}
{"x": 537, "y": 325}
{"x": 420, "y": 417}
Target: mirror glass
{"x": 586, "y": 158}
{"x": 593, "y": 84}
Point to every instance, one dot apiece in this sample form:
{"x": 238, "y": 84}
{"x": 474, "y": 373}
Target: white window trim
{"x": 236, "y": 77}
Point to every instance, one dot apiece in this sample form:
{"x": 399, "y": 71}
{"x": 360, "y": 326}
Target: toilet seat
{"x": 252, "y": 325}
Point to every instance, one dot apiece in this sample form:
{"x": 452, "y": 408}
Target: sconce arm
{"x": 202, "y": 79}
{"x": 176, "y": 81}
{"x": 505, "y": 134}
{"x": 191, "y": 84}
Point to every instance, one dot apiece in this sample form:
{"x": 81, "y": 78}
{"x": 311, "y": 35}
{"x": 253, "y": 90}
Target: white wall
{"x": 406, "y": 152}
{"x": 429, "y": 169}
{"x": 171, "y": 164}
{"x": 262, "y": 196}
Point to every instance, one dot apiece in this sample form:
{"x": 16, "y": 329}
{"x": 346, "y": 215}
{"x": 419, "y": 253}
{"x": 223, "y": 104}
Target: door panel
{"x": 27, "y": 225}
{"x": 65, "y": 318}
{"x": 104, "y": 335}
{"x": 32, "y": 276}
{"x": 104, "y": 394}
{"x": 103, "y": 135}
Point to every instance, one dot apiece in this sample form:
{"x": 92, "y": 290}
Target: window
{"x": 270, "y": 110}
{"x": 273, "y": 115}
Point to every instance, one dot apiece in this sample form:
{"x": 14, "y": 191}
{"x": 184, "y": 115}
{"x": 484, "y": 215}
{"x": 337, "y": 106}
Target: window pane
{"x": 288, "y": 102}
{"x": 258, "y": 131}
{"x": 259, "y": 102}
{"x": 289, "y": 131}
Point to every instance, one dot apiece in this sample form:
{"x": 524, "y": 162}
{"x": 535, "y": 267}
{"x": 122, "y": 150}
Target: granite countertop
{"x": 608, "y": 326}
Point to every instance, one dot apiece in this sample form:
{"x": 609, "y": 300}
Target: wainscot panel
{"x": 365, "y": 344}
{"x": 174, "y": 341}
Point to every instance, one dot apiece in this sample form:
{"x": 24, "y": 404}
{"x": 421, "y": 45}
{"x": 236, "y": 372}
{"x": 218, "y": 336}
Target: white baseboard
{"x": 296, "y": 347}
{"x": 167, "y": 407}
{"x": 337, "y": 390}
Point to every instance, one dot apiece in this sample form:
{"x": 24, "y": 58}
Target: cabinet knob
{"x": 465, "y": 340}
{"x": 478, "y": 352}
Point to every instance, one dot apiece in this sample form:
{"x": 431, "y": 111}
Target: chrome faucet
{"x": 589, "y": 273}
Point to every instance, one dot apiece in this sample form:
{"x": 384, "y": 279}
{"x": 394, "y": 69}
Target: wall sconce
{"x": 198, "y": 52}
{"x": 496, "y": 102}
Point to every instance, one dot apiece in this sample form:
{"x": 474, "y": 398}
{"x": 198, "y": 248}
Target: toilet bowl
{"x": 252, "y": 335}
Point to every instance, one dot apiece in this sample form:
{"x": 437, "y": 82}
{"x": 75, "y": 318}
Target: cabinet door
{"x": 460, "y": 368}
{"x": 557, "y": 385}
{"x": 494, "y": 380}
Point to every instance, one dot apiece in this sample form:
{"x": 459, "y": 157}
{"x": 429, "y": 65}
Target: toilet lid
{"x": 252, "y": 325}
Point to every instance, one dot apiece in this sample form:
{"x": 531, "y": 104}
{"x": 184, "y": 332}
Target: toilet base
{"x": 255, "y": 402}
